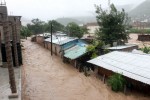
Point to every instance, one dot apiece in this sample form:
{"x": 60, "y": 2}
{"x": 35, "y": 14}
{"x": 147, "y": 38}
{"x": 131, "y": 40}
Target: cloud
{"x": 51, "y": 9}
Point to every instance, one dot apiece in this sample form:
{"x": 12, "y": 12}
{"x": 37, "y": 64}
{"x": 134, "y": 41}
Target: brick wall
{"x": 144, "y": 37}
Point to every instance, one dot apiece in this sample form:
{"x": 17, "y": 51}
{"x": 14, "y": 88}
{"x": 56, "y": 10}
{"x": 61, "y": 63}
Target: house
{"x": 141, "y": 24}
{"x": 74, "y": 53}
{"x": 59, "y": 44}
{"x": 71, "y": 49}
{"x": 14, "y": 26}
{"x": 133, "y": 66}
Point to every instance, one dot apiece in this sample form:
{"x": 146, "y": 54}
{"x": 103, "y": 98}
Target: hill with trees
{"x": 65, "y": 21}
{"x": 141, "y": 10}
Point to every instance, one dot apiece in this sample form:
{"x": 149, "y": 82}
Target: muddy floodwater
{"x": 47, "y": 78}
{"x": 133, "y": 40}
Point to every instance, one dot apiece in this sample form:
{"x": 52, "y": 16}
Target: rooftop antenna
{"x": 3, "y": 3}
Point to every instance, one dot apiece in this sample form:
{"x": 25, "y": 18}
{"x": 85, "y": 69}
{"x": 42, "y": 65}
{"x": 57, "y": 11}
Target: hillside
{"x": 86, "y": 19}
{"x": 127, "y": 8}
{"x": 65, "y": 21}
{"x": 141, "y": 10}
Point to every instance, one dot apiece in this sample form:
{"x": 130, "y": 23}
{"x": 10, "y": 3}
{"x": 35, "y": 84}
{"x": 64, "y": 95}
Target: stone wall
{"x": 144, "y": 37}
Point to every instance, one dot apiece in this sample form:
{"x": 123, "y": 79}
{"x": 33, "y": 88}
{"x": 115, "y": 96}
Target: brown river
{"x": 46, "y": 77}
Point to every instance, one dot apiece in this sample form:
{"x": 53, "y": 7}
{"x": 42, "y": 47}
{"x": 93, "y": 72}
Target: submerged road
{"x": 47, "y": 78}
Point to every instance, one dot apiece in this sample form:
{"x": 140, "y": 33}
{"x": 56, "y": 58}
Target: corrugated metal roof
{"x": 135, "y": 66}
{"x": 121, "y": 47}
{"x": 60, "y": 40}
{"x": 75, "y": 52}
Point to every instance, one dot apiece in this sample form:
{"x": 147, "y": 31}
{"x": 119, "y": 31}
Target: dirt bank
{"x": 48, "y": 78}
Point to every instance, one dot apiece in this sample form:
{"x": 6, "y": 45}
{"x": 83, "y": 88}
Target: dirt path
{"x": 47, "y": 78}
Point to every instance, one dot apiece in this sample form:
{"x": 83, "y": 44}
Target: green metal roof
{"x": 75, "y": 52}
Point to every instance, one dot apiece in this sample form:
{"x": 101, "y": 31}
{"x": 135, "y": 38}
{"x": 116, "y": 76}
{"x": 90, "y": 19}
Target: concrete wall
{"x": 55, "y": 48}
{"x": 144, "y": 37}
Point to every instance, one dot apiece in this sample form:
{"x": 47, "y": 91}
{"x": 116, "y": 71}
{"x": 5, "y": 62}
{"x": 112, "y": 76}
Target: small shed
{"x": 60, "y": 43}
{"x": 75, "y": 52}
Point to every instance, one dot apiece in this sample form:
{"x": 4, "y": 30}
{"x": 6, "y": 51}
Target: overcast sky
{"x": 52, "y": 9}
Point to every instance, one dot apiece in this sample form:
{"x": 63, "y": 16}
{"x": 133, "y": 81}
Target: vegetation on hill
{"x": 38, "y": 27}
{"x": 141, "y": 10}
{"x": 65, "y": 21}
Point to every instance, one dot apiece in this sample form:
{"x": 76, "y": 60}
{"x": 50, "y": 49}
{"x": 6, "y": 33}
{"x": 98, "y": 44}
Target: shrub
{"x": 116, "y": 82}
{"x": 90, "y": 48}
{"x": 146, "y": 49}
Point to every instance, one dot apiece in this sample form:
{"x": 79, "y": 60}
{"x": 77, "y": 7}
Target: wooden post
{"x": 104, "y": 78}
{"x": 51, "y": 40}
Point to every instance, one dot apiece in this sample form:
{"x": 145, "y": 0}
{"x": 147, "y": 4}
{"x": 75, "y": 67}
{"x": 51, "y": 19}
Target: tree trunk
{"x": 9, "y": 57}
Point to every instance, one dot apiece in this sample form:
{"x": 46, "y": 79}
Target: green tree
{"x": 95, "y": 49}
{"x": 55, "y": 25}
{"x": 25, "y": 32}
{"x": 74, "y": 30}
{"x": 113, "y": 24}
{"x": 37, "y": 26}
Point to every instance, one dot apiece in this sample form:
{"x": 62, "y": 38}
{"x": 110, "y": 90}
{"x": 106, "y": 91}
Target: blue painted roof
{"x": 75, "y": 52}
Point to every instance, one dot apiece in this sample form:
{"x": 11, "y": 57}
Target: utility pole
{"x": 51, "y": 39}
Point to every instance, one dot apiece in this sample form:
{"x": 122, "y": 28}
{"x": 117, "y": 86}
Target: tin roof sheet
{"x": 133, "y": 65}
{"x": 121, "y": 47}
{"x": 75, "y": 52}
{"x": 60, "y": 40}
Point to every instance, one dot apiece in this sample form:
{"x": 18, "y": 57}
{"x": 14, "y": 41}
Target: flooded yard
{"x": 46, "y": 77}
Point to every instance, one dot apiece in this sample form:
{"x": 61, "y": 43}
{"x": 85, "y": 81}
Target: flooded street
{"x": 47, "y": 78}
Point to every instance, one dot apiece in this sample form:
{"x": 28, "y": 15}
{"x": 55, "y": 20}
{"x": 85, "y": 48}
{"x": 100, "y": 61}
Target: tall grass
{"x": 147, "y": 31}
